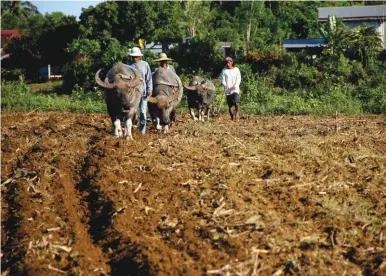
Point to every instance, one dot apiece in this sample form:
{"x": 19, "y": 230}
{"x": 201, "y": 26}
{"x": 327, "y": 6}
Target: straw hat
{"x": 135, "y": 52}
{"x": 163, "y": 57}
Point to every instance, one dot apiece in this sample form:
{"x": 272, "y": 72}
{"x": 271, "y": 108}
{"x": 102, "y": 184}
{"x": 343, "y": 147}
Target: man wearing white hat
{"x": 144, "y": 68}
{"x": 163, "y": 60}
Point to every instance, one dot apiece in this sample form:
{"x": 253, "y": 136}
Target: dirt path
{"x": 267, "y": 195}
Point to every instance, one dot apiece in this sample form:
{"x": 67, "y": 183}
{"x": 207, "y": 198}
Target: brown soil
{"x": 265, "y": 195}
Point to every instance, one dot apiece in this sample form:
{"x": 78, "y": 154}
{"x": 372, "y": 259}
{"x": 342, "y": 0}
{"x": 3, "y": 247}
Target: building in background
{"x": 6, "y": 37}
{"x": 358, "y": 15}
{"x": 352, "y": 17}
{"x": 313, "y": 45}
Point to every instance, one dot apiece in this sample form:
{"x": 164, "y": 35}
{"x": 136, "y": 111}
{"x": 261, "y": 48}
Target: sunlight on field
{"x": 267, "y": 195}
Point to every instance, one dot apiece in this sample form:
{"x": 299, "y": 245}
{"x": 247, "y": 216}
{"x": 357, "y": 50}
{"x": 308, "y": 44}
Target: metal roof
{"x": 304, "y": 43}
{"x": 354, "y": 13}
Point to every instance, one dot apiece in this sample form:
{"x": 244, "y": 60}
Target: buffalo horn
{"x": 192, "y": 87}
{"x": 152, "y": 99}
{"x": 101, "y": 83}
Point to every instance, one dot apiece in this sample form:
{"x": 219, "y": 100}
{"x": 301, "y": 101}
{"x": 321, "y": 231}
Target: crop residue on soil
{"x": 265, "y": 195}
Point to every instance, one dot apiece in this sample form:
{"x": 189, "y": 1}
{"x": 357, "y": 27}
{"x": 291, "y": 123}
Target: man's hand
{"x": 149, "y": 93}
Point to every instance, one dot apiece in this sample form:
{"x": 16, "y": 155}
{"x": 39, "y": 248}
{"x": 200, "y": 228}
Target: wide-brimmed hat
{"x": 135, "y": 52}
{"x": 163, "y": 57}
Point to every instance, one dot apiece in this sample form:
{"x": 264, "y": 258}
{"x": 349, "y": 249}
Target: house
{"x": 313, "y": 45}
{"x": 155, "y": 48}
{"x": 6, "y": 36}
{"x": 358, "y": 15}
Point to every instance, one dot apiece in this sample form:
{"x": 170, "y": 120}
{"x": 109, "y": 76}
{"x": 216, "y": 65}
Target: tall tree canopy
{"x": 15, "y": 14}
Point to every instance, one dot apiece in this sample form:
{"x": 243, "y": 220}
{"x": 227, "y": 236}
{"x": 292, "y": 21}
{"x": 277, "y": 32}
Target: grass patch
{"x": 43, "y": 96}
{"x": 19, "y": 97}
{"x": 46, "y": 87}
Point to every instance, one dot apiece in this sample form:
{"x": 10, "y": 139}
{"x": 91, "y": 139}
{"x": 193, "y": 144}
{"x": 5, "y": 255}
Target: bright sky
{"x": 69, "y": 7}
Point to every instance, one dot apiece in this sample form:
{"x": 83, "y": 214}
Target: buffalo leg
{"x": 204, "y": 111}
{"x": 166, "y": 128}
{"x": 172, "y": 116}
{"x": 117, "y": 128}
{"x": 158, "y": 125}
{"x": 192, "y": 113}
{"x": 128, "y": 126}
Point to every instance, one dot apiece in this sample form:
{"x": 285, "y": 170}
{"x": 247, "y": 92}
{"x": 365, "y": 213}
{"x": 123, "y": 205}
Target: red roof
{"x": 8, "y": 34}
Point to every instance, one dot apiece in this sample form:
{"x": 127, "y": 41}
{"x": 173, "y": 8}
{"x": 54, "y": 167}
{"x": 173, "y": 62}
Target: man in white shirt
{"x": 230, "y": 79}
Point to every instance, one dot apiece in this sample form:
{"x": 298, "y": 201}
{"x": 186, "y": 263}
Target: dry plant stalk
{"x": 56, "y": 269}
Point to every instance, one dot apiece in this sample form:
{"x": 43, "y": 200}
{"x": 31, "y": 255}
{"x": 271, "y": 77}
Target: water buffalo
{"x": 123, "y": 93}
{"x": 201, "y": 94}
{"x": 167, "y": 94}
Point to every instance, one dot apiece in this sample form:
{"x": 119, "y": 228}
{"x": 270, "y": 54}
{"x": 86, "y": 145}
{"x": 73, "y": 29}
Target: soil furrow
{"x": 56, "y": 215}
{"x": 296, "y": 195}
{"x": 123, "y": 253}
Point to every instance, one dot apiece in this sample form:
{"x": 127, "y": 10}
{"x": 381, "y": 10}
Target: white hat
{"x": 163, "y": 57}
{"x": 135, "y": 52}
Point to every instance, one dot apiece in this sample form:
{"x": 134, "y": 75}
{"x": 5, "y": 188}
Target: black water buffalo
{"x": 201, "y": 94}
{"x": 124, "y": 89}
{"x": 167, "y": 94}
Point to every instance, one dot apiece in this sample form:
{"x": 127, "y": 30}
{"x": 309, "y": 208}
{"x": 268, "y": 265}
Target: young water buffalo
{"x": 123, "y": 93}
{"x": 167, "y": 94}
{"x": 201, "y": 94}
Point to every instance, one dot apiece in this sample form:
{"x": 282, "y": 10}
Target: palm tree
{"x": 19, "y": 8}
{"x": 15, "y": 14}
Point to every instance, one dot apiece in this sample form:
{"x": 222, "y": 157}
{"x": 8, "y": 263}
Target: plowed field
{"x": 262, "y": 196}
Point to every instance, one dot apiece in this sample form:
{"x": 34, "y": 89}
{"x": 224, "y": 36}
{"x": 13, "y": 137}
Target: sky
{"x": 68, "y": 7}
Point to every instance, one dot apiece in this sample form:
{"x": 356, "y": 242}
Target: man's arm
{"x": 149, "y": 80}
{"x": 238, "y": 78}
{"x": 172, "y": 69}
{"x": 223, "y": 82}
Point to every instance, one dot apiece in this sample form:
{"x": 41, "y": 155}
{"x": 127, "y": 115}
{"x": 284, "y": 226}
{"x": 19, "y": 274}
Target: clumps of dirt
{"x": 265, "y": 195}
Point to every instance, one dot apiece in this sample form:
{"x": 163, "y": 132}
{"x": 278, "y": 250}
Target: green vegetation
{"x": 348, "y": 76}
{"x": 344, "y": 99}
{"x": 16, "y": 96}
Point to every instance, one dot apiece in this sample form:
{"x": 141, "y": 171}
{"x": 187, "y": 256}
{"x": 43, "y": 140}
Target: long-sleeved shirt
{"x": 231, "y": 78}
{"x": 144, "y": 68}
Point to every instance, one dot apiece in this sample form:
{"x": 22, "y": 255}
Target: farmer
{"x": 163, "y": 60}
{"x": 230, "y": 79}
{"x": 144, "y": 68}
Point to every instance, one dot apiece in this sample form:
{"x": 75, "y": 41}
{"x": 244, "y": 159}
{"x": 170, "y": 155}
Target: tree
{"x": 336, "y": 35}
{"x": 366, "y": 42}
{"x": 19, "y": 8}
{"x": 196, "y": 17}
{"x": 98, "y": 22}
{"x": 15, "y": 14}
{"x": 123, "y": 20}
{"x": 60, "y": 29}
{"x": 168, "y": 22}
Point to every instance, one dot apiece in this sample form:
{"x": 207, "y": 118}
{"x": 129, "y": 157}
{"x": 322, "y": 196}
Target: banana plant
{"x": 333, "y": 34}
